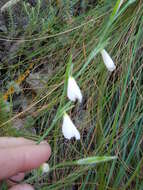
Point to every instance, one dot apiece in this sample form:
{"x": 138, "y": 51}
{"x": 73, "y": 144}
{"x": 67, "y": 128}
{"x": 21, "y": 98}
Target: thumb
{"x": 22, "y": 187}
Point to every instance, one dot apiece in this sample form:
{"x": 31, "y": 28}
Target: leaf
{"x": 95, "y": 160}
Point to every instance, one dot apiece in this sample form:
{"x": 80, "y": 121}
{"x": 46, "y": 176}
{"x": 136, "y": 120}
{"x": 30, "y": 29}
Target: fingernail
{"x": 18, "y": 177}
{"x": 22, "y": 187}
{"x": 43, "y": 142}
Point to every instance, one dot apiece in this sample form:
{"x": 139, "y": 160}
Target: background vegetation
{"x": 39, "y": 39}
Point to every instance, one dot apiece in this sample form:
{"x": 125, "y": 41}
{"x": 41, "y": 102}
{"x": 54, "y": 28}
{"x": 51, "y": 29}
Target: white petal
{"x": 45, "y": 168}
{"x": 108, "y": 61}
{"x": 68, "y": 128}
{"x": 73, "y": 90}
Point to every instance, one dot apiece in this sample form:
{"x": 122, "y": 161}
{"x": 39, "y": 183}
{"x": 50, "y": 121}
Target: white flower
{"x": 68, "y": 128}
{"x": 108, "y": 61}
{"x": 73, "y": 90}
{"x": 45, "y": 168}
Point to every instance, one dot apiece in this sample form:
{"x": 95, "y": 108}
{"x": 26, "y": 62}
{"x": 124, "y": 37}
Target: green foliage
{"x": 5, "y": 108}
{"x": 5, "y": 115}
{"x": 110, "y": 119}
{"x": 95, "y": 160}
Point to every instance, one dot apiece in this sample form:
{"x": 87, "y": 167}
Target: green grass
{"x": 110, "y": 119}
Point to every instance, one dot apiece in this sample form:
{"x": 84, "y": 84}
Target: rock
{"x": 18, "y": 124}
{"x": 8, "y": 5}
{"x": 35, "y": 82}
{"x": 24, "y": 125}
{"x": 3, "y": 28}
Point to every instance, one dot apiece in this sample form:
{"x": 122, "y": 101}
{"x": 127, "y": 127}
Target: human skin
{"x": 19, "y": 155}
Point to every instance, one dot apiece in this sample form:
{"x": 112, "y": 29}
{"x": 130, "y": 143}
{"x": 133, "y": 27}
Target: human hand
{"x": 18, "y": 155}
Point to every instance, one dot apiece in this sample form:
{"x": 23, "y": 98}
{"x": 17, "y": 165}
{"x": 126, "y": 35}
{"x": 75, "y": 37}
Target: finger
{"x": 18, "y": 177}
{"x": 22, "y": 187}
{"x": 15, "y": 179}
{"x": 12, "y": 142}
{"x": 23, "y": 158}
